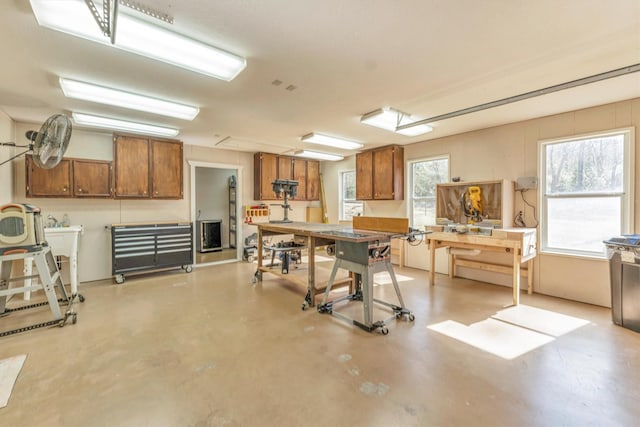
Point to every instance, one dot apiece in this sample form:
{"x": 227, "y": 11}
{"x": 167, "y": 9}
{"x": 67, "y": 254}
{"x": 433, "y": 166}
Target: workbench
{"x": 520, "y": 243}
{"x": 311, "y": 236}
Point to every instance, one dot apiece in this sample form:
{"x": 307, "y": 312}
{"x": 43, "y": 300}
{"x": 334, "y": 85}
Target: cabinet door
{"x": 300, "y": 175}
{"x": 383, "y": 174}
{"x": 131, "y": 159}
{"x": 285, "y": 167}
{"x": 166, "y": 169}
{"x": 313, "y": 180}
{"x": 265, "y": 172}
{"x": 55, "y": 182}
{"x": 91, "y": 178}
{"x": 364, "y": 171}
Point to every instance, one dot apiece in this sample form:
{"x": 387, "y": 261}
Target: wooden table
{"x": 313, "y": 235}
{"x": 518, "y": 242}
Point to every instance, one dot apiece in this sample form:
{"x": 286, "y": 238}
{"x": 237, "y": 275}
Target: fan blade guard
{"x": 52, "y": 141}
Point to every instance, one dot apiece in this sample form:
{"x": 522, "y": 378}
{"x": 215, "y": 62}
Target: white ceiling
{"x": 346, "y": 58}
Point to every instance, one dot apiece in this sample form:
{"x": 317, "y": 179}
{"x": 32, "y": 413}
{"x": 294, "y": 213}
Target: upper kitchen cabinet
{"x": 364, "y": 175}
{"x": 91, "y": 178}
{"x": 380, "y": 174}
{"x": 269, "y": 167}
{"x": 313, "y": 180}
{"x": 300, "y": 175}
{"x": 147, "y": 168}
{"x": 54, "y": 182}
{"x": 70, "y": 178}
{"x": 265, "y": 171}
{"x": 166, "y": 169}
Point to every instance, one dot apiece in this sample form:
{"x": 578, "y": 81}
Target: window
{"x": 349, "y": 207}
{"x": 425, "y": 174}
{"x": 586, "y": 192}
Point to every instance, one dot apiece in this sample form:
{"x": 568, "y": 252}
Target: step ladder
{"x": 50, "y": 281}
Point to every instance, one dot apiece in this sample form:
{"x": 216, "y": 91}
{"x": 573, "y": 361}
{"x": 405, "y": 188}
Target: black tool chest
{"x": 143, "y": 247}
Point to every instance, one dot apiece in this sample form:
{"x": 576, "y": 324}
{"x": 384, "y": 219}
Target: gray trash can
{"x": 624, "y": 273}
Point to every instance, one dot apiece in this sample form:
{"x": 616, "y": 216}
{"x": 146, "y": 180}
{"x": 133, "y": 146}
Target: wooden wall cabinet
{"x": 54, "y": 182}
{"x": 70, "y": 178}
{"x": 265, "y": 171}
{"x": 91, "y": 178}
{"x": 147, "y": 168}
{"x": 166, "y": 169}
{"x": 269, "y": 167}
{"x": 380, "y": 174}
{"x": 300, "y": 175}
{"x": 313, "y": 180}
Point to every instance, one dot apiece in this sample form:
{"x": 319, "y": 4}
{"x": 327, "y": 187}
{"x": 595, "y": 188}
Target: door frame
{"x": 193, "y": 164}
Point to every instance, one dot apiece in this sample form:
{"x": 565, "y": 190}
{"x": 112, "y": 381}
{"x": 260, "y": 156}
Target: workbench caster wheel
{"x": 411, "y": 317}
{"x": 187, "y": 268}
{"x": 74, "y": 319}
{"x": 119, "y": 278}
{"x": 80, "y": 298}
{"x": 305, "y": 305}
{"x": 384, "y": 330}
{"x": 256, "y": 277}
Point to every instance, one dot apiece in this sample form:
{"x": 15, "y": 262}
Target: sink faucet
{"x": 52, "y": 222}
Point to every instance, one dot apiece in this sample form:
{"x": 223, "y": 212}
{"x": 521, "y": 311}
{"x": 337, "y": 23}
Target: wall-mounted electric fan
{"x": 49, "y": 144}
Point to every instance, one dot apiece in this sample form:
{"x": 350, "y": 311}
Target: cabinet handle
{"x": 155, "y": 192}
{"x": 64, "y": 188}
{"x": 79, "y": 190}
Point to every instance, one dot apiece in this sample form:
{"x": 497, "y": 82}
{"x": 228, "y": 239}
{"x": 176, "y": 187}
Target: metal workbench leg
{"x": 311, "y": 283}
{"x": 5, "y": 274}
{"x": 367, "y": 297}
{"x": 392, "y": 274}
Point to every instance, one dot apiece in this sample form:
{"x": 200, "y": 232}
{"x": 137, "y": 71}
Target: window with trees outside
{"x": 586, "y": 192}
{"x": 349, "y": 206}
{"x": 425, "y": 174}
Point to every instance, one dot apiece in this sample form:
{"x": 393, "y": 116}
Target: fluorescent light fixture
{"x": 389, "y": 119}
{"x": 109, "y": 96}
{"x": 331, "y": 141}
{"x": 123, "y": 125}
{"x": 317, "y": 155}
{"x": 139, "y": 37}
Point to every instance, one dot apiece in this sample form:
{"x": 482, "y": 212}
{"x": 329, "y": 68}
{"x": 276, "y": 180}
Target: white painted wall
{"x": 96, "y": 215}
{"x": 508, "y": 152}
{"x": 6, "y": 177}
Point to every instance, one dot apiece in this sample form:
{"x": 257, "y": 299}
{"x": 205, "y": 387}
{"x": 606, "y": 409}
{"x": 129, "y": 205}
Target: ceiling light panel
{"x": 317, "y": 155}
{"x": 122, "y": 125}
{"x": 104, "y": 95}
{"x": 238, "y": 144}
{"x": 390, "y": 119}
{"x": 139, "y": 37}
{"x": 331, "y": 141}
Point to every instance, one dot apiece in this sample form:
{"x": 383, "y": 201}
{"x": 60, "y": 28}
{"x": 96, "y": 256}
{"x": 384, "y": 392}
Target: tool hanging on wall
{"x": 323, "y": 202}
{"x": 471, "y": 203}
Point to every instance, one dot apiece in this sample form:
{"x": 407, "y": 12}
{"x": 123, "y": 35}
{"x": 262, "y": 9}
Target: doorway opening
{"x": 215, "y": 212}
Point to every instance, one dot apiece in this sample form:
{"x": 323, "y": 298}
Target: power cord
{"x": 519, "y": 219}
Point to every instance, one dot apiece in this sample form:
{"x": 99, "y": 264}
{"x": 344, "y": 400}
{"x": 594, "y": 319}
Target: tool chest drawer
{"x": 143, "y": 247}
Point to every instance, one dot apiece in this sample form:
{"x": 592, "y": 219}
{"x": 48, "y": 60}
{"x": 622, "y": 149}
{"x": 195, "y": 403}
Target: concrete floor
{"x": 210, "y": 349}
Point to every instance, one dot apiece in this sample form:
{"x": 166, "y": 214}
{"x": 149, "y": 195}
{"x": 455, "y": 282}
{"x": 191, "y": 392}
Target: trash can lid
{"x": 625, "y": 240}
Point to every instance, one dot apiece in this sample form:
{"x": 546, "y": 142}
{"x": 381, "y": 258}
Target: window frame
{"x": 342, "y": 199}
{"x": 626, "y": 195}
{"x": 409, "y": 183}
